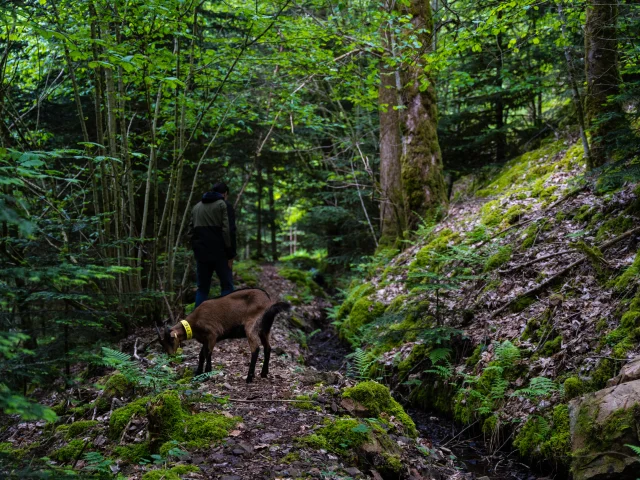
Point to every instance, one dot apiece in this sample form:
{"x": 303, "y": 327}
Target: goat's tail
{"x": 270, "y": 315}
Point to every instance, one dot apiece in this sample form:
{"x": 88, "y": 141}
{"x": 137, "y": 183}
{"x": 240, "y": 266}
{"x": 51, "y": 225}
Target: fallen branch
{"x": 263, "y": 401}
{"x": 564, "y": 271}
{"x": 535, "y": 260}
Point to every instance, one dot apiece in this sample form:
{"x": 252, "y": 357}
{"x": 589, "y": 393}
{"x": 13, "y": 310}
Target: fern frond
{"x": 538, "y": 387}
{"x": 444, "y": 371}
{"x": 635, "y": 449}
{"x": 439, "y": 354}
{"x": 360, "y": 363}
{"x": 507, "y": 354}
{"x": 205, "y": 376}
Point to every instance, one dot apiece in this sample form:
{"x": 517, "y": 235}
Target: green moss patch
{"x": 169, "y": 421}
{"x": 170, "y": 474}
{"x": 541, "y": 438}
{"x": 120, "y": 417}
{"x": 341, "y": 436}
{"x": 133, "y": 453}
{"x": 378, "y": 400}
{"x": 70, "y": 451}
{"x": 502, "y": 256}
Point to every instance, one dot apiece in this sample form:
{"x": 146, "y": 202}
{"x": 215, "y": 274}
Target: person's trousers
{"x": 204, "y": 272}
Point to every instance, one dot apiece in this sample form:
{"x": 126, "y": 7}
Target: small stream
{"x": 327, "y": 353}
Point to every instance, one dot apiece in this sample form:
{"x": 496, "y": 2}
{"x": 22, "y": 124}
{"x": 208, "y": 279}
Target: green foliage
{"x": 502, "y": 256}
{"x": 573, "y": 387}
{"x": 155, "y": 378}
{"x": 341, "y": 436}
{"x": 360, "y": 363}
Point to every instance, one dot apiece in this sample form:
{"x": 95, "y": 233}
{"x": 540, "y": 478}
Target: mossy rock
{"x": 133, "y": 452}
{"x": 358, "y": 291}
{"x": 364, "y": 311}
{"x": 169, "y": 421}
{"x": 502, "y": 256}
{"x": 173, "y": 473}
{"x": 550, "y": 439}
{"x": 71, "y": 451}
{"x": 601, "y": 424}
{"x": 377, "y": 399}
{"x": 428, "y": 256}
{"x": 76, "y": 429}
{"x": 120, "y": 417}
{"x": 117, "y": 385}
{"x": 361, "y": 441}
{"x": 573, "y": 387}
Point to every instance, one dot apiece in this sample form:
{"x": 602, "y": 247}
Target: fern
{"x": 538, "y": 387}
{"x": 205, "y": 376}
{"x": 439, "y": 354}
{"x": 122, "y": 362}
{"x": 360, "y": 363}
{"x": 444, "y": 371}
{"x": 507, "y": 354}
{"x": 635, "y": 449}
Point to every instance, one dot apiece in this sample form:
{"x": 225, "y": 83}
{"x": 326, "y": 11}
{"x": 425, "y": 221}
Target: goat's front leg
{"x": 201, "y": 358}
{"x": 212, "y": 343}
{"x": 255, "y": 350}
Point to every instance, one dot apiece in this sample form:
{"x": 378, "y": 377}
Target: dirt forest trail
{"x": 265, "y": 444}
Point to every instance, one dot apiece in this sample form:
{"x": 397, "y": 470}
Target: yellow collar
{"x": 187, "y": 328}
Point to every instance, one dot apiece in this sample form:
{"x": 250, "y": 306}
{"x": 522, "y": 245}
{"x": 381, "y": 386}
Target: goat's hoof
{"x": 249, "y": 379}
{"x": 264, "y": 375}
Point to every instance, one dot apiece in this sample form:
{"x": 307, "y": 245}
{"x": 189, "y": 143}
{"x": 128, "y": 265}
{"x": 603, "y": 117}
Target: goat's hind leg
{"x": 254, "y": 346}
{"x": 264, "y": 338}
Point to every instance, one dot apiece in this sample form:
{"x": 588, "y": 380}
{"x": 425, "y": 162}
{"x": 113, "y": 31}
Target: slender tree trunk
{"x": 501, "y": 143}
{"x": 422, "y": 181}
{"x": 392, "y": 216}
{"x": 259, "y": 254}
{"x": 272, "y": 219}
{"x": 577, "y": 100}
{"x": 603, "y": 118}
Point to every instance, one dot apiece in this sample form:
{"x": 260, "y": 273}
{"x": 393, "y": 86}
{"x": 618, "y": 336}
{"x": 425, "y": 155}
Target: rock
{"x": 328, "y": 378}
{"x": 353, "y": 471}
{"x": 315, "y": 472}
{"x": 629, "y": 372}
{"x": 230, "y": 477}
{"x": 355, "y": 408}
{"x": 601, "y": 423}
{"x": 238, "y": 451}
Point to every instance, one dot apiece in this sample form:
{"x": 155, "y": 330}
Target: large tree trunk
{"x": 603, "y": 80}
{"x": 392, "y": 218}
{"x": 421, "y": 161}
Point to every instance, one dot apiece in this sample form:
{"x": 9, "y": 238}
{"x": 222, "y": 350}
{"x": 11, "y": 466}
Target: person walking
{"x": 213, "y": 239}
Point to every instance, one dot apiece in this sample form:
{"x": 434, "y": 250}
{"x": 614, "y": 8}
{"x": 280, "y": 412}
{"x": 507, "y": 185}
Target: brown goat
{"x": 243, "y": 313}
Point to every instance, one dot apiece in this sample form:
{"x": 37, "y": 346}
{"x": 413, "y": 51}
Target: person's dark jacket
{"x": 213, "y": 229}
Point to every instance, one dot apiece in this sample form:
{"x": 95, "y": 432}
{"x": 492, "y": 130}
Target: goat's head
{"x": 169, "y": 340}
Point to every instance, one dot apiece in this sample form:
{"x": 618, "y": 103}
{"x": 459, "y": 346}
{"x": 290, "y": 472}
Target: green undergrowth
{"x": 248, "y": 272}
{"x": 168, "y": 422}
{"x": 173, "y": 473}
{"x": 303, "y": 281}
{"x": 547, "y": 438}
{"x": 526, "y": 175}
